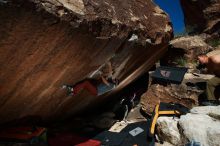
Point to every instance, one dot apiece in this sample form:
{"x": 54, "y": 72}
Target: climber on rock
{"x": 212, "y": 63}
{"x": 96, "y": 87}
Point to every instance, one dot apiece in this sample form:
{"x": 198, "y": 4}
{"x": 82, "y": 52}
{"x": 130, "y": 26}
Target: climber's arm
{"x": 105, "y": 81}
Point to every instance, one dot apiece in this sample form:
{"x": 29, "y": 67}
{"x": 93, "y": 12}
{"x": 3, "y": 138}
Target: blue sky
{"x": 173, "y": 8}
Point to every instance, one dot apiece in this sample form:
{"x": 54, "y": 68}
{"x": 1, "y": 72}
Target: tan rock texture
{"x": 171, "y": 93}
{"x": 188, "y": 48}
{"x": 168, "y": 131}
{"x": 109, "y": 18}
{"x": 47, "y": 43}
{"x": 198, "y": 126}
{"x": 184, "y": 51}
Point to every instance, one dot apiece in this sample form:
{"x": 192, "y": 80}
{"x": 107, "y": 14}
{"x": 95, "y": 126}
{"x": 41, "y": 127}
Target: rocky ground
{"x": 200, "y": 125}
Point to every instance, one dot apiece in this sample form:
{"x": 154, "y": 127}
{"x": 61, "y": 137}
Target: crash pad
{"x": 169, "y": 74}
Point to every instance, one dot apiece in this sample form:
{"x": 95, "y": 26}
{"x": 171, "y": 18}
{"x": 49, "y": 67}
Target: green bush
{"x": 181, "y": 61}
{"x": 214, "y": 42}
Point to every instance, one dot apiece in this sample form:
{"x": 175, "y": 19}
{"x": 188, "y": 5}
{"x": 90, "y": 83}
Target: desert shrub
{"x": 214, "y": 42}
{"x": 181, "y": 61}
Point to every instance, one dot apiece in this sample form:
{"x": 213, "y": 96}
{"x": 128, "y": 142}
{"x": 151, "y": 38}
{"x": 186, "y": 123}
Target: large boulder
{"x": 48, "y": 43}
{"x": 168, "y": 130}
{"x": 157, "y": 93}
{"x": 191, "y": 46}
{"x": 163, "y": 144}
{"x": 184, "y": 50}
{"x": 201, "y": 16}
{"x": 201, "y": 125}
{"x": 201, "y": 128}
{"x": 187, "y": 93}
{"x": 206, "y": 110}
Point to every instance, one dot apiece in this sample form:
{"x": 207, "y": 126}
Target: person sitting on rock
{"x": 95, "y": 86}
{"x": 212, "y": 63}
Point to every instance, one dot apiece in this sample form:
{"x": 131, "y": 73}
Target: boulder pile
{"x": 201, "y": 125}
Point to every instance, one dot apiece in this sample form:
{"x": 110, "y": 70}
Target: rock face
{"x": 191, "y": 46}
{"x": 171, "y": 93}
{"x": 202, "y": 21}
{"x": 201, "y": 125}
{"x": 183, "y": 51}
{"x": 45, "y": 44}
{"x": 202, "y": 16}
{"x": 201, "y": 128}
{"x": 187, "y": 93}
{"x": 207, "y": 131}
{"x": 168, "y": 130}
{"x": 108, "y": 19}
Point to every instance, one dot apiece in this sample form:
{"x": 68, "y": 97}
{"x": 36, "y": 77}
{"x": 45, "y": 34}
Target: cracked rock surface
{"x": 199, "y": 126}
{"x": 108, "y": 18}
{"x": 47, "y": 43}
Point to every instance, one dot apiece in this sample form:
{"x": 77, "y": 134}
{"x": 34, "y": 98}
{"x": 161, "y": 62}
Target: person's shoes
{"x": 69, "y": 88}
{"x": 64, "y": 86}
{"x": 70, "y": 91}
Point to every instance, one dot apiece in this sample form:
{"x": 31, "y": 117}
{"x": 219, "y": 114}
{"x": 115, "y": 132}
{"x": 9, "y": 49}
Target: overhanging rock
{"x": 47, "y": 43}
{"x": 201, "y": 16}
